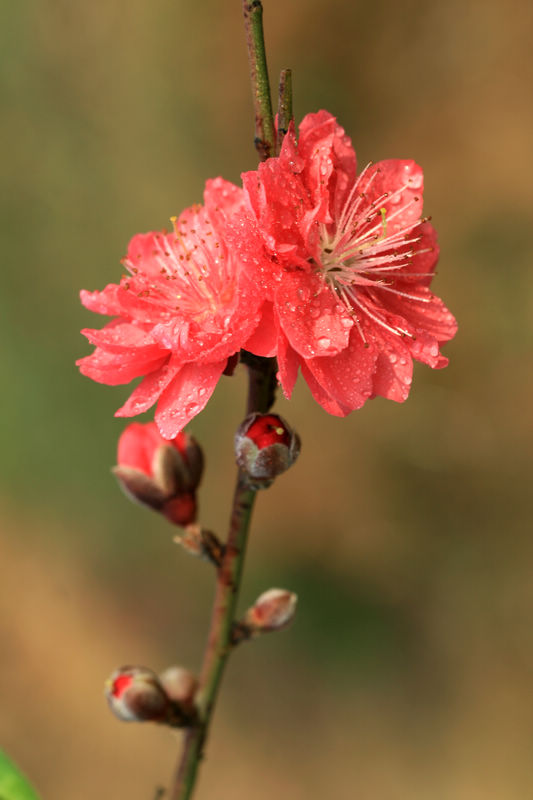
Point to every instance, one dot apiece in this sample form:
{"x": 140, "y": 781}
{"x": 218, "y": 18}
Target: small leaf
{"x": 13, "y": 785}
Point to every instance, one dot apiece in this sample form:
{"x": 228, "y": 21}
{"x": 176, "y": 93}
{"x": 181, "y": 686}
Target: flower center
{"x": 187, "y": 270}
{"x": 361, "y": 257}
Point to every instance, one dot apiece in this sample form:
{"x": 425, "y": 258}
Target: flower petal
{"x": 323, "y": 397}
{"x": 394, "y": 370}
{"x": 280, "y": 203}
{"x": 222, "y": 199}
{"x": 145, "y": 250}
{"x": 347, "y": 376}
{"x": 150, "y": 389}
{"x": 427, "y": 315}
{"x": 115, "y": 369}
{"x": 104, "y": 302}
{"x": 329, "y": 162}
{"x": 121, "y": 337}
{"x": 397, "y": 186}
{"x": 311, "y": 317}
{"x": 263, "y": 341}
{"x": 186, "y": 396}
{"x": 288, "y": 362}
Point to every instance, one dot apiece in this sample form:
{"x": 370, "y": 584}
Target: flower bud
{"x": 272, "y": 611}
{"x": 180, "y": 685}
{"x": 159, "y": 473}
{"x": 265, "y": 446}
{"x": 135, "y": 694}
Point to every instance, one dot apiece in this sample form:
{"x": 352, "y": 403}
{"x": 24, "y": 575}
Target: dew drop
{"x": 324, "y": 342}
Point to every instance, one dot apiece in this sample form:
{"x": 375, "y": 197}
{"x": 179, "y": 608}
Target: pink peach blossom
{"x": 347, "y": 265}
{"x": 184, "y": 308}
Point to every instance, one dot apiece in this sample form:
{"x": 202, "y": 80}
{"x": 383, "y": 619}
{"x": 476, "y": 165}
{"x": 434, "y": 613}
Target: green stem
{"x": 229, "y": 577}
{"x": 265, "y": 134}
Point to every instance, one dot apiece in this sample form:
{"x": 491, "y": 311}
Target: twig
{"x": 265, "y": 134}
{"x": 284, "y": 106}
{"x": 229, "y": 576}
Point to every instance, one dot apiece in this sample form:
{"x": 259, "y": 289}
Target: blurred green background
{"x": 405, "y": 530}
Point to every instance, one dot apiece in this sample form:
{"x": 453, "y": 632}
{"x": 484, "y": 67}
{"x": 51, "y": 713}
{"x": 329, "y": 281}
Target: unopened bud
{"x": 135, "y": 694}
{"x": 200, "y": 542}
{"x": 159, "y": 473}
{"x": 180, "y": 685}
{"x": 272, "y": 611}
{"x": 265, "y": 446}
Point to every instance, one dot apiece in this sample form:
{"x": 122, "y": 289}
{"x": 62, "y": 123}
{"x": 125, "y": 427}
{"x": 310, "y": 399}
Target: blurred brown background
{"x": 405, "y": 530}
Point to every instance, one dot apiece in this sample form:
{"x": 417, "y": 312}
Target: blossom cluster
{"x": 326, "y": 269}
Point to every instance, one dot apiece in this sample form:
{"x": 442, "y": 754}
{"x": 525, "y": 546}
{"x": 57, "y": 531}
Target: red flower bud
{"x": 162, "y": 474}
{"x": 272, "y": 611}
{"x": 265, "y": 446}
{"x": 135, "y": 694}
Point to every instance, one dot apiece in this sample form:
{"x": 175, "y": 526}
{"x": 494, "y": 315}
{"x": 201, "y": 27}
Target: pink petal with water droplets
{"x": 263, "y": 341}
{"x": 144, "y": 309}
{"x": 425, "y": 348}
{"x": 329, "y": 162}
{"x": 146, "y": 249}
{"x": 311, "y": 317}
{"x": 104, "y": 302}
{"x": 222, "y": 199}
{"x": 115, "y": 369}
{"x": 347, "y": 376}
{"x": 426, "y": 255}
{"x": 280, "y": 202}
{"x": 403, "y": 180}
{"x": 323, "y": 397}
{"x": 186, "y": 396}
{"x": 429, "y": 315}
{"x": 288, "y": 362}
{"x": 394, "y": 370}
{"x": 121, "y": 337}
{"x": 150, "y": 389}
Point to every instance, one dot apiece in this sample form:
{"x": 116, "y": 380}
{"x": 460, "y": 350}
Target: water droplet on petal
{"x": 324, "y": 342}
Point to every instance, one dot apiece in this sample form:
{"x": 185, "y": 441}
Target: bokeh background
{"x": 405, "y": 530}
